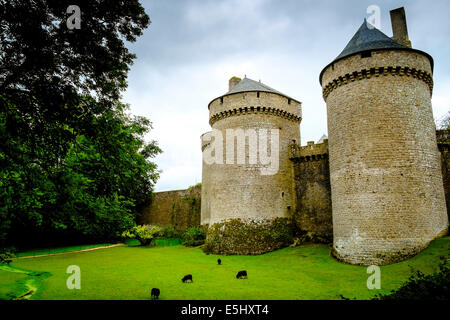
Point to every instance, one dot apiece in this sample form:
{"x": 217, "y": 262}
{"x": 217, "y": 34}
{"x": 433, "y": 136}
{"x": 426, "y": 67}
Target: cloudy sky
{"x": 191, "y": 49}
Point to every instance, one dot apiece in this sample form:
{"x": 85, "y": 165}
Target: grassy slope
{"x": 43, "y": 251}
{"x": 306, "y": 272}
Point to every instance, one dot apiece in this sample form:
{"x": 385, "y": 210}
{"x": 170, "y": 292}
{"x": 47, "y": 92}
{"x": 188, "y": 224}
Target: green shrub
{"x": 194, "y": 237}
{"x": 194, "y": 233}
{"x": 169, "y": 232}
{"x": 6, "y": 254}
{"x": 143, "y": 233}
{"x": 193, "y": 243}
{"x": 419, "y": 286}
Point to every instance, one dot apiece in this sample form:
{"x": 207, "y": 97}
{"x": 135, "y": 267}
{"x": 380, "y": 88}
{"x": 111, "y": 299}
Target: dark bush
{"x": 6, "y": 254}
{"x": 169, "y": 232}
{"x": 193, "y": 243}
{"x": 419, "y": 286}
{"x": 194, "y": 233}
{"x": 194, "y": 237}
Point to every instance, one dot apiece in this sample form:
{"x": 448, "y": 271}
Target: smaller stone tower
{"x": 386, "y": 182}
{"x": 247, "y": 175}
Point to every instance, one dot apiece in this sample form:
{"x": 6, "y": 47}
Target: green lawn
{"x": 37, "y": 252}
{"x": 129, "y": 272}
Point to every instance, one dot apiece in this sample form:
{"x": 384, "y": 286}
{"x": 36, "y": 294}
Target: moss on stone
{"x": 249, "y": 237}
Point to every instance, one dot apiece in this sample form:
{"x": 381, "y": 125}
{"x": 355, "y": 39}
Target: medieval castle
{"x": 374, "y": 188}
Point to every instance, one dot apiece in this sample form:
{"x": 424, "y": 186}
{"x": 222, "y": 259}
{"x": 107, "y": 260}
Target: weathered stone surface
{"x": 248, "y": 236}
{"x": 312, "y": 218}
{"x": 443, "y": 139}
{"x": 386, "y": 181}
{"x": 231, "y": 191}
{"x": 240, "y": 190}
{"x": 178, "y": 208}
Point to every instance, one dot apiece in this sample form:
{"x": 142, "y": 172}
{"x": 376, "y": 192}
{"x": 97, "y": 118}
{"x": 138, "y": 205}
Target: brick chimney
{"x": 399, "y": 28}
{"x": 233, "y": 82}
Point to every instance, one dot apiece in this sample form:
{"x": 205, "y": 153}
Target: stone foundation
{"x": 249, "y": 237}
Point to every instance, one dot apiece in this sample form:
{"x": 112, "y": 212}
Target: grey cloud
{"x": 192, "y": 47}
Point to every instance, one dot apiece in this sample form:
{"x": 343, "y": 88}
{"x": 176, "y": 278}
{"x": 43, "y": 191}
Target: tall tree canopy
{"x": 74, "y": 164}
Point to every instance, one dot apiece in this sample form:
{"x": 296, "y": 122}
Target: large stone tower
{"x": 251, "y": 123}
{"x": 386, "y": 183}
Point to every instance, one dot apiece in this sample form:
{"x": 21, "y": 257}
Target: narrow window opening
{"x": 221, "y": 99}
{"x": 289, "y": 101}
{"x": 257, "y": 94}
{"x": 366, "y": 54}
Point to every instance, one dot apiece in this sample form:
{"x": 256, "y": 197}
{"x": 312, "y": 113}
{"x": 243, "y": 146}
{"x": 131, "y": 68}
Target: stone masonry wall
{"x": 312, "y": 218}
{"x": 443, "y": 139}
{"x": 240, "y": 190}
{"x": 178, "y": 208}
{"x": 385, "y": 169}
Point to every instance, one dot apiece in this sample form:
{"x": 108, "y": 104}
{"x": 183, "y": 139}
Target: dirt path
{"x": 68, "y": 252}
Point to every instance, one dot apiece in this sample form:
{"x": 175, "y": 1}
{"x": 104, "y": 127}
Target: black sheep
{"x": 241, "y": 274}
{"x": 219, "y": 261}
{"x": 187, "y": 277}
{"x": 155, "y": 293}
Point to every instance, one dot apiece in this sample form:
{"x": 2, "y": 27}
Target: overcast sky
{"x": 187, "y": 55}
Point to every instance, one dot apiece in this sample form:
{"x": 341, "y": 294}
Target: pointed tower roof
{"x": 249, "y": 85}
{"x": 370, "y": 38}
{"x": 322, "y": 138}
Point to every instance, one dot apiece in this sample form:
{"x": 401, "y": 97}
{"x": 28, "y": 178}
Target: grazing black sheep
{"x": 219, "y": 261}
{"x": 155, "y": 293}
{"x": 187, "y": 277}
{"x": 241, "y": 274}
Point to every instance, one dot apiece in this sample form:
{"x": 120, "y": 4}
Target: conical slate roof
{"x": 249, "y": 85}
{"x": 322, "y": 138}
{"x": 370, "y": 38}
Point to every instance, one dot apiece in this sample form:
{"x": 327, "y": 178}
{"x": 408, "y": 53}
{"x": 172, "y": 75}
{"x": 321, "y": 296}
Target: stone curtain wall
{"x": 312, "y": 218}
{"x": 178, "y": 208}
{"x": 443, "y": 139}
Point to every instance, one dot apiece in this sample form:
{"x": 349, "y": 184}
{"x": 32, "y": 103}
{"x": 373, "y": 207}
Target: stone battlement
{"x": 312, "y": 151}
{"x": 376, "y": 72}
{"x": 253, "y": 110}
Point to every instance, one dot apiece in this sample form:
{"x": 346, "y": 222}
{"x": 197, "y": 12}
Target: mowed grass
{"x": 129, "y": 272}
{"x": 37, "y": 252}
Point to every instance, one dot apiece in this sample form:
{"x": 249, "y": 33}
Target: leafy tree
{"x": 74, "y": 164}
{"x": 444, "y": 122}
